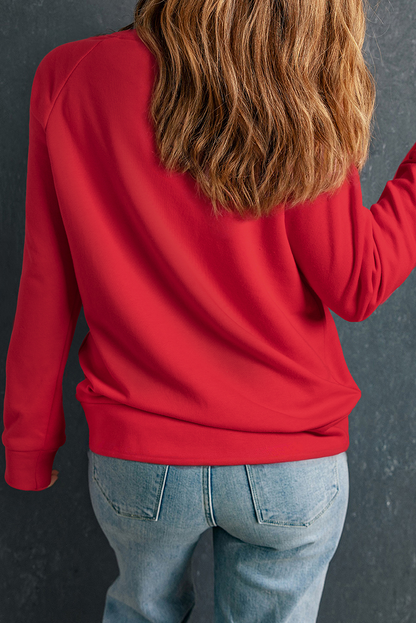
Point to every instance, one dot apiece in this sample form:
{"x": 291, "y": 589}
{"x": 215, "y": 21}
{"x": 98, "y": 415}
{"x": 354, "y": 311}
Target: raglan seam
{"x": 68, "y": 77}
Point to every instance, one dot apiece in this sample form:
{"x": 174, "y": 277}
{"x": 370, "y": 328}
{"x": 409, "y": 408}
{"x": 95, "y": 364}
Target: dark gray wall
{"x": 55, "y": 562}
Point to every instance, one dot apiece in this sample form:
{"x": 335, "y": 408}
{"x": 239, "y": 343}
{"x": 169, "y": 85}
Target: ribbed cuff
{"x": 29, "y": 471}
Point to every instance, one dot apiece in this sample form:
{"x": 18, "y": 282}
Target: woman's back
{"x": 211, "y": 334}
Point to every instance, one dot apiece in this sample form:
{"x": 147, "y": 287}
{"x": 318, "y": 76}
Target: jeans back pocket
{"x": 293, "y": 493}
{"x": 132, "y": 488}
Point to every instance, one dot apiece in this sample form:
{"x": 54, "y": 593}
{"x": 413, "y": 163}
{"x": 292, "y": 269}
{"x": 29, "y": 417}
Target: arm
{"x": 352, "y": 257}
{"x": 48, "y": 307}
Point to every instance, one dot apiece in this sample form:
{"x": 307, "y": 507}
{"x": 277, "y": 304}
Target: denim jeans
{"x": 276, "y": 527}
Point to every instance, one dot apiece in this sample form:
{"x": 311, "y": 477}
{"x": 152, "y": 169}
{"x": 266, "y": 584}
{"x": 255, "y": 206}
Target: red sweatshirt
{"x": 210, "y": 342}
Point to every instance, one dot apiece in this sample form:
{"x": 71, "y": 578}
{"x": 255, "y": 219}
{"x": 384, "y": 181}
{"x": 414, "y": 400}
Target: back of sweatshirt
{"x": 210, "y": 341}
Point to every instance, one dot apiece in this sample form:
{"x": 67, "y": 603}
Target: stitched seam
{"x": 68, "y": 77}
{"x": 290, "y": 524}
{"x": 160, "y": 493}
{"x": 210, "y": 496}
{"x": 117, "y": 509}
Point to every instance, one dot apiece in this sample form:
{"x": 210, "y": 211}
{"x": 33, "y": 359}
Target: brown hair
{"x": 266, "y": 104}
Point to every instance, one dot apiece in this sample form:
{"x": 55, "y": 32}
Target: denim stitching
{"x": 288, "y": 524}
{"x": 95, "y": 473}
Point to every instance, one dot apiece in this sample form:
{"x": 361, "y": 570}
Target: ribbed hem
{"x": 122, "y": 432}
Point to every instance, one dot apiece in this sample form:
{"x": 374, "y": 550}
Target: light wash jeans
{"x": 276, "y": 527}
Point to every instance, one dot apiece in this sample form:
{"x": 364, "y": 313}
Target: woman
{"x": 206, "y": 226}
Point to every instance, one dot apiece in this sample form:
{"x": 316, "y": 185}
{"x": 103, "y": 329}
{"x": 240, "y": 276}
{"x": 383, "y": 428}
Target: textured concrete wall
{"x": 55, "y": 562}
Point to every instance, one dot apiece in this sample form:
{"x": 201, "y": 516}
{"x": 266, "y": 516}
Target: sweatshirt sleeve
{"x": 353, "y": 257}
{"x": 48, "y": 306}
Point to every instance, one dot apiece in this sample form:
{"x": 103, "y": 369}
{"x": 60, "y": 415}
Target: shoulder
{"x": 57, "y": 66}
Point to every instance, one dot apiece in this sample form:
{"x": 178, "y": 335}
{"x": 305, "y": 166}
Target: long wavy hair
{"x": 266, "y": 104}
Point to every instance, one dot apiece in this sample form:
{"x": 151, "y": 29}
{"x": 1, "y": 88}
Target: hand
{"x": 54, "y": 478}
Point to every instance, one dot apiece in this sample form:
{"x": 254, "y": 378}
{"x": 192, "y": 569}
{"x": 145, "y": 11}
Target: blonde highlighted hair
{"x": 265, "y": 103}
